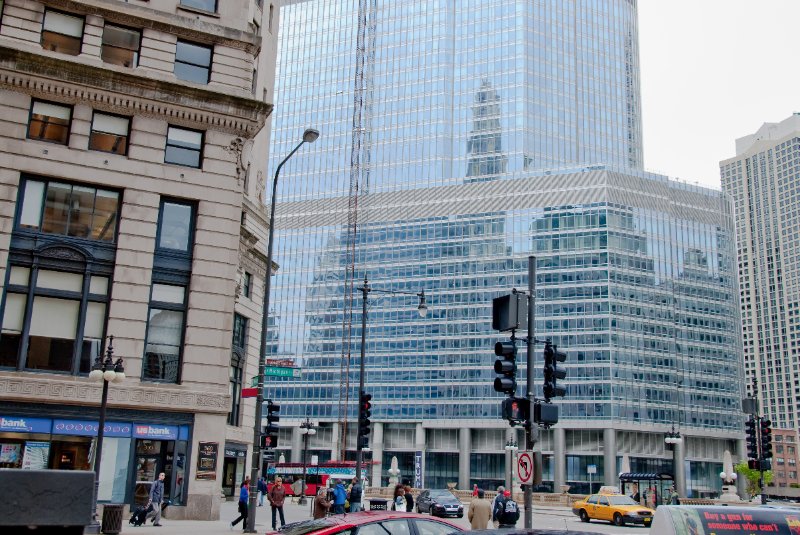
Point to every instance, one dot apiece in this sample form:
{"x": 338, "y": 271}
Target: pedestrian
{"x": 339, "y": 497}
{"x": 277, "y": 495}
{"x": 409, "y": 499}
{"x": 262, "y": 490}
{"x": 321, "y": 503}
{"x": 397, "y": 489}
{"x": 674, "y": 499}
{"x": 354, "y": 496}
{"x": 480, "y": 511}
{"x": 506, "y": 511}
{"x": 155, "y": 499}
{"x": 244, "y": 496}
{"x": 475, "y": 490}
{"x": 499, "y": 496}
{"x": 400, "y": 500}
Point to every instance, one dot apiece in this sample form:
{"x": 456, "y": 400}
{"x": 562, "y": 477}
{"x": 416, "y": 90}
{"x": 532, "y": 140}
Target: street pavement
{"x": 543, "y": 517}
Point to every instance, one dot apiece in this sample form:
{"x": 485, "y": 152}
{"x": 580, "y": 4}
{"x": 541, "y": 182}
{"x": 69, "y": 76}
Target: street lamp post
{"x": 309, "y": 136}
{"x": 511, "y": 446}
{"x": 107, "y": 370}
{"x": 422, "y": 308}
{"x": 306, "y": 428}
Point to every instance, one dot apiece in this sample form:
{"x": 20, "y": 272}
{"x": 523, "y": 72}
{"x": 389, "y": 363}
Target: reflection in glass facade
{"x": 465, "y": 137}
{"x": 636, "y": 283}
{"x": 559, "y": 82}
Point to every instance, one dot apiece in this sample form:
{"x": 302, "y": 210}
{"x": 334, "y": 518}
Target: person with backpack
{"x": 506, "y": 511}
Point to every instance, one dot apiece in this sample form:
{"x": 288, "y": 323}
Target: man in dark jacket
{"x": 355, "y": 496}
{"x": 156, "y": 497}
{"x": 506, "y": 511}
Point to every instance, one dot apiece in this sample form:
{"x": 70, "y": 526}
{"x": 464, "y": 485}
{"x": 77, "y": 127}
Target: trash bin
{"x": 377, "y": 504}
{"x": 112, "y": 518}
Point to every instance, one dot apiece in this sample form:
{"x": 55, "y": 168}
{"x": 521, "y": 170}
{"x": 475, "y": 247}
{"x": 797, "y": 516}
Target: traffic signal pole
{"x": 530, "y": 439}
{"x": 359, "y": 450}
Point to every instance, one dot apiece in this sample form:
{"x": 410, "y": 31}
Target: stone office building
{"x": 128, "y": 208}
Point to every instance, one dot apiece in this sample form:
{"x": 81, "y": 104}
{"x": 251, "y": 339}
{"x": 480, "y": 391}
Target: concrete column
{"x": 741, "y": 455}
{"x": 335, "y": 446}
{"x": 296, "y": 455}
{"x": 678, "y": 458}
{"x": 464, "y": 449}
{"x": 419, "y": 445}
{"x": 377, "y": 454}
{"x": 559, "y": 458}
{"x": 610, "y": 457}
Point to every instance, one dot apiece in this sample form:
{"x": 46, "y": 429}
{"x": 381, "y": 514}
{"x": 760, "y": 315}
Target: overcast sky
{"x": 713, "y": 71}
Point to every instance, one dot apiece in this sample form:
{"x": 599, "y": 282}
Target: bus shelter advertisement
{"x": 734, "y": 521}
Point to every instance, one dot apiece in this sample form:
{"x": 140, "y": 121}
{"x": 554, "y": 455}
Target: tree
{"x": 752, "y": 476}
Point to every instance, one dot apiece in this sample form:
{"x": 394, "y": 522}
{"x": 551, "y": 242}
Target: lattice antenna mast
{"x": 356, "y": 179}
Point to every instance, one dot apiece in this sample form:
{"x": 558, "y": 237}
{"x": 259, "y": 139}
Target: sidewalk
{"x": 292, "y": 511}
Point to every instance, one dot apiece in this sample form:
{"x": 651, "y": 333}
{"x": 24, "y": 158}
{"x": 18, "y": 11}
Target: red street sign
{"x": 249, "y": 392}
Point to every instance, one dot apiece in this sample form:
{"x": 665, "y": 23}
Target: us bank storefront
{"x": 137, "y": 446}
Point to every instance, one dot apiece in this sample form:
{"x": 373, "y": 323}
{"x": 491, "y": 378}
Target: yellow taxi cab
{"x": 616, "y": 508}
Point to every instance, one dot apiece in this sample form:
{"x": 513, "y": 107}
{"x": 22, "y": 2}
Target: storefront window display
{"x": 34, "y": 443}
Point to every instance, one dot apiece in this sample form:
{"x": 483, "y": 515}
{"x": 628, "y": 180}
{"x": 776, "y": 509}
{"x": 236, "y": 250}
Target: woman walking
{"x": 244, "y": 496}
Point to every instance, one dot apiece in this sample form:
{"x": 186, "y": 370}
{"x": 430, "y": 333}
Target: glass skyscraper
{"x": 458, "y": 139}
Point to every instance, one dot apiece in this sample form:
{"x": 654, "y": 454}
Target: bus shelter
{"x": 649, "y": 489}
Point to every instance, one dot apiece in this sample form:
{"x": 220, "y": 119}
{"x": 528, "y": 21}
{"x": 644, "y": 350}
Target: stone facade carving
{"x": 134, "y": 395}
{"x": 123, "y": 93}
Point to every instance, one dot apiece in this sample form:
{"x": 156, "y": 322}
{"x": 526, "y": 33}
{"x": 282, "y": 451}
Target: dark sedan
{"x": 439, "y": 503}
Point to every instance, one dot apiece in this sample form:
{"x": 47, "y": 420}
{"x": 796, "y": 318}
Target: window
{"x": 428, "y": 527}
{"x": 165, "y": 328}
{"x": 49, "y": 122}
{"x": 176, "y": 226}
{"x": 271, "y": 14}
{"x": 247, "y": 283}
{"x": 184, "y": 147}
{"x": 238, "y": 353}
{"x": 205, "y": 5}
{"x": 393, "y": 527}
{"x": 62, "y": 33}
{"x": 109, "y": 133}
{"x": 65, "y": 332}
{"x": 71, "y": 210}
{"x": 121, "y": 45}
{"x": 193, "y": 62}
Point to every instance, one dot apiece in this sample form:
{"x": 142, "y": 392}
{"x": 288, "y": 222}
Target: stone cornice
{"x": 130, "y": 394}
{"x": 137, "y": 16}
{"x": 128, "y": 94}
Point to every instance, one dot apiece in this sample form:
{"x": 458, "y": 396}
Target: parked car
{"x": 371, "y": 523}
{"x": 439, "y": 503}
{"x": 616, "y": 508}
{"x": 523, "y": 531}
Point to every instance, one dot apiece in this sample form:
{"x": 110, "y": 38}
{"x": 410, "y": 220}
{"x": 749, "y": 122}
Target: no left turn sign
{"x": 525, "y": 467}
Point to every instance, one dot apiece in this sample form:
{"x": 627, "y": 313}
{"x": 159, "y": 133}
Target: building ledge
{"x": 129, "y": 93}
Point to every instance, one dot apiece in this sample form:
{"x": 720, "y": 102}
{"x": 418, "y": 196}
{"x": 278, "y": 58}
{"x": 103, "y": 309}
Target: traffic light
{"x": 270, "y": 437}
{"x": 364, "y": 412}
{"x": 515, "y": 410}
{"x": 552, "y": 356}
{"x": 506, "y": 366}
{"x": 753, "y": 464}
{"x": 752, "y": 438}
{"x": 766, "y": 439}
